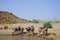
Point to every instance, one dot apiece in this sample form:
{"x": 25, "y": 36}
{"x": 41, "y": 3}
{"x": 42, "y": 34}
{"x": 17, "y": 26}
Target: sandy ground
{"x": 55, "y": 29}
{"x": 53, "y": 37}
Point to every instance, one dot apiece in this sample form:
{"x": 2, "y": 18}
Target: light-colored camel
{"x": 22, "y": 30}
{"x": 18, "y": 30}
{"x": 28, "y": 31}
{"x": 32, "y": 30}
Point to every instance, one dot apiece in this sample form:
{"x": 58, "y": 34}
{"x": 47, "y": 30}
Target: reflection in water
{"x": 20, "y": 37}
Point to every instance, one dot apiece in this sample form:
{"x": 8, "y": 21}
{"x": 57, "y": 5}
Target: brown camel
{"x": 0, "y": 28}
{"x": 42, "y": 31}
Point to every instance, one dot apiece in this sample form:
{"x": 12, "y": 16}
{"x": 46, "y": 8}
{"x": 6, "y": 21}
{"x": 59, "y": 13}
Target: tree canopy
{"x": 47, "y": 25}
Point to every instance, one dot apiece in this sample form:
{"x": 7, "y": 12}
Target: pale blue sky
{"x": 32, "y": 9}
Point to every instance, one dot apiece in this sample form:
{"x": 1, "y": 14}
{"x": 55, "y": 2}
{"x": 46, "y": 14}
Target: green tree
{"x": 47, "y": 25}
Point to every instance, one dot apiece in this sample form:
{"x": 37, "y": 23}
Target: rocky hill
{"x": 9, "y": 18}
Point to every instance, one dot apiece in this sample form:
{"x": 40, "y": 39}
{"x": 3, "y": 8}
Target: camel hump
{"x": 32, "y": 27}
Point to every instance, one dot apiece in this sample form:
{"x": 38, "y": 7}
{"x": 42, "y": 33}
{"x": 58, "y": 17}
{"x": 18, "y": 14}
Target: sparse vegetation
{"x": 5, "y": 27}
{"x": 54, "y": 34}
{"x": 29, "y": 21}
{"x": 35, "y": 21}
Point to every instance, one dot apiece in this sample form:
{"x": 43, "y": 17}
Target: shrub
{"x": 35, "y": 21}
{"x": 47, "y": 25}
{"x": 11, "y": 13}
{"x": 5, "y": 27}
{"x": 54, "y": 34}
{"x": 29, "y": 21}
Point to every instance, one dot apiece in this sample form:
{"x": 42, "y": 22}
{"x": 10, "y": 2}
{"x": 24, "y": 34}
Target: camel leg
{"x": 32, "y": 33}
{"x": 28, "y": 33}
{"x": 39, "y": 34}
{"x": 44, "y": 35}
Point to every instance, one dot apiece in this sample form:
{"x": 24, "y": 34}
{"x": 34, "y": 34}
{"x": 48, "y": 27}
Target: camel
{"x": 18, "y": 30}
{"x": 28, "y": 31}
{"x": 15, "y": 31}
{"x": 42, "y": 31}
{"x": 22, "y": 29}
{"x": 32, "y": 30}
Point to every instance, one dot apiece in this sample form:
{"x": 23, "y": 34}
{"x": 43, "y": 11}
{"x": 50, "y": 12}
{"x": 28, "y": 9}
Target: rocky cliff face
{"x": 9, "y": 18}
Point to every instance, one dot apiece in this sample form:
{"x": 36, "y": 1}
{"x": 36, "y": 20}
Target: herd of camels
{"x": 30, "y": 31}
